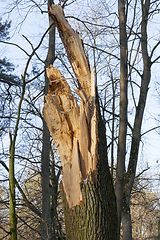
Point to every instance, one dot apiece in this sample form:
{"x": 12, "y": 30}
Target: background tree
{"x": 7, "y": 80}
{"x": 145, "y": 208}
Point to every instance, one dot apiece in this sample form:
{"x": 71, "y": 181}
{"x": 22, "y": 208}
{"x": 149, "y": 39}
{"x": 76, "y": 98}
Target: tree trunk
{"x": 47, "y": 230}
{"x": 45, "y": 160}
{"x": 119, "y": 185}
{"x": 79, "y": 134}
{"x": 12, "y": 199}
{"x": 158, "y": 228}
{"x": 136, "y": 134}
{"x": 126, "y": 222}
{"x": 96, "y": 218}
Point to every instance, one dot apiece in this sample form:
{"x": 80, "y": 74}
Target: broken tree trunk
{"x": 79, "y": 135}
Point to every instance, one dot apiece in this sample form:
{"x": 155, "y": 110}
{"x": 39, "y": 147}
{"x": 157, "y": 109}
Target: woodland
{"x": 79, "y": 85}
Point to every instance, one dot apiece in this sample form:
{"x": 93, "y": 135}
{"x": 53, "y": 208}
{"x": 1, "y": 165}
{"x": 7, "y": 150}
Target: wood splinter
{"x": 72, "y": 127}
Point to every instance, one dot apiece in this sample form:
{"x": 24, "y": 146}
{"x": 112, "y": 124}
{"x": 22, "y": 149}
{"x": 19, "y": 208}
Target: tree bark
{"x": 12, "y": 199}
{"x": 96, "y": 218}
{"x": 119, "y": 185}
{"x": 126, "y": 222}
{"x": 47, "y": 230}
{"x": 136, "y": 134}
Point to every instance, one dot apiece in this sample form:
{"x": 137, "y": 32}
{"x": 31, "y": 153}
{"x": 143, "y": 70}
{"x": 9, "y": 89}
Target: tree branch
{"x": 27, "y": 203}
{"x": 16, "y": 45}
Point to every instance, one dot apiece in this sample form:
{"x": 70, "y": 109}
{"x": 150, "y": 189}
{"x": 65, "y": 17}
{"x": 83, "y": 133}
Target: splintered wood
{"x": 72, "y": 127}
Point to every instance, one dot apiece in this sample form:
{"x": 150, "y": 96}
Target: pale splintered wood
{"x": 72, "y": 133}
{"x": 74, "y": 48}
{"x": 73, "y": 128}
{"x": 61, "y": 114}
{"x": 72, "y": 177}
{"x": 93, "y": 121}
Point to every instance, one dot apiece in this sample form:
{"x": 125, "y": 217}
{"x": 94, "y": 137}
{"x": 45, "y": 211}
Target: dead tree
{"x": 79, "y": 134}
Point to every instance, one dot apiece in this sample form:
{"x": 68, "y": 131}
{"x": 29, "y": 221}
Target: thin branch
{"x": 117, "y": 115}
{"x": 146, "y": 169}
{"x": 5, "y": 236}
{"x": 99, "y": 49}
{"x": 32, "y": 126}
{"x": 9, "y": 233}
{"x": 135, "y": 83}
{"x": 38, "y": 6}
{"x": 155, "y": 60}
{"x": 28, "y": 204}
{"x": 94, "y": 24}
{"x": 16, "y": 45}
{"x": 33, "y": 48}
{"x": 33, "y": 229}
{"x": 37, "y": 110}
{"x": 131, "y": 67}
{"x": 35, "y": 77}
{"x": 154, "y": 48}
{"x": 111, "y": 54}
{"x": 149, "y": 130}
{"x": 134, "y": 16}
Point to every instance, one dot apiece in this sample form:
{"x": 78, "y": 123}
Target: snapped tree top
{"x": 73, "y": 128}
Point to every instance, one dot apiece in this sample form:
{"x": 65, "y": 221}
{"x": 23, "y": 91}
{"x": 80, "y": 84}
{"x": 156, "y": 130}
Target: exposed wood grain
{"x": 74, "y": 48}
{"x": 73, "y": 128}
{"x": 71, "y": 179}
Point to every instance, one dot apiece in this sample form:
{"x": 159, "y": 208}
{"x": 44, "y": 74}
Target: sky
{"x": 33, "y": 27}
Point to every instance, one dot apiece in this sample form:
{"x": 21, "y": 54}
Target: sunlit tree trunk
{"x": 96, "y": 218}
{"x": 12, "y": 199}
